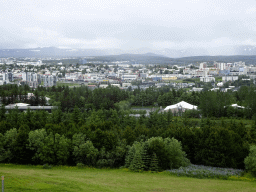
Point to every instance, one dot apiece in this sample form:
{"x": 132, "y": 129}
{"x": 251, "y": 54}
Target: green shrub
{"x": 113, "y": 158}
{"x": 46, "y": 166}
{"x": 1, "y": 147}
{"x": 250, "y": 160}
{"x": 219, "y": 146}
{"x": 80, "y": 165}
{"x": 86, "y": 153}
{"x": 48, "y": 148}
{"x": 7, "y": 145}
{"x": 192, "y": 114}
{"x": 154, "y": 163}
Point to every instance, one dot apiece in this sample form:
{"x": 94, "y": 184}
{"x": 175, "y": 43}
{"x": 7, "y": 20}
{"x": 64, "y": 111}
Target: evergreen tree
{"x": 22, "y": 155}
{"x": 154, "y": 163}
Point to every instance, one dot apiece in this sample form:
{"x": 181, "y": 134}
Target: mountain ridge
{"x": 171, "y": 53}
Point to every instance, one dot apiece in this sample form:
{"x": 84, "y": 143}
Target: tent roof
{"x": 181, "y": 104}
{"x": 237, "y": 106}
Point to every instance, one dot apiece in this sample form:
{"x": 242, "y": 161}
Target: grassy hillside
{"x": 34, "y": 178}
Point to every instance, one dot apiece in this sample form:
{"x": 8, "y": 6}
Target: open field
{"x": 34, "y": 178}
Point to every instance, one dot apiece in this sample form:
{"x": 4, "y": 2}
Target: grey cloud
{"x": 128, "y": 25}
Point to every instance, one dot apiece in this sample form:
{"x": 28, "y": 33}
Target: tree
{"x": 156, "y": 154}
{"x": 2, "y": 113}
{"x": 250, "y": 160}
{"x": 49, "y": 148}
{"x": 76, "y": 115}
{"x": 8, "y": 144}
{"x": 85, "y": 153}
{"x": 21, "y": 153}
{"x": 219, "y": 147}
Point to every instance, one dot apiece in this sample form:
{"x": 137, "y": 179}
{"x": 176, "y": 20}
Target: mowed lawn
{"x": 34, "y": 178}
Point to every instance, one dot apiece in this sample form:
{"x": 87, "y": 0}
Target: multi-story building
{"x": 49, "y": 80}
{"x": 33, "y": 79}
{"x": 8, "y": 77}
{"x": 229, "y": 78}
{"x": 207, "y": 79}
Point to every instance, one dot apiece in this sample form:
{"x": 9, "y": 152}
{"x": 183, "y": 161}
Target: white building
{"x": 207, "y": 79}
{"x": 129, "y": 77}
{"x": 49, "y": 80}
{"x": 229, "y": 78}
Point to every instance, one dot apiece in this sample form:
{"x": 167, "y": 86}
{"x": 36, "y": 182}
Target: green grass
{"x": 34, "y": 178}
{"x": 218, "y": 78}
{"x": 176, "y": 81}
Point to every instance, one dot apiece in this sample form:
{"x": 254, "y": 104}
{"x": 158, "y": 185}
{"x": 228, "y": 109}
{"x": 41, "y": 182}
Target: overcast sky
{"x": 127, "y": 24}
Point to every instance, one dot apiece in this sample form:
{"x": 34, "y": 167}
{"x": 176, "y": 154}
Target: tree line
{"x": 210, "y": 103}
{"x": 111, "y": 138}
{"x": 95, "y": 128}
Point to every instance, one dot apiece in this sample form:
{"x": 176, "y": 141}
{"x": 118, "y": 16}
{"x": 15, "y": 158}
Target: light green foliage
{"x": 136, "y": 162}
{"x": 154, "y": 163}
{"x": 78, "y": 139}
{"x": 49, "y": 148}
{"x": 80, "y": 165}
{"x": 72, "y": 179}
{"x": 175, "y": 153}
{"x": 61, "y": 146}
{"x": 83, "y": 151}
{"x": 250, "y": 160}
{"x": 156, "y": 154}
{"x": 96, "y": 117}
{"x": 36, "y": 139}
{"x": 47, "y": 166}
{"x": 8, "y": 142}
{"x": 123, "y": 105}
{"x": 86, "y": 153}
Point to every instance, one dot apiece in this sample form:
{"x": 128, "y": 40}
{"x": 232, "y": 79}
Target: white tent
{"x": 237, "y": 106}
{"x": 181, "y": 105}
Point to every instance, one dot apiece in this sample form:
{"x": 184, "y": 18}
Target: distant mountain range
{"x": 145, "y": 59}
{"x": 171, "y": 53}
{"x": 140, "y": 56}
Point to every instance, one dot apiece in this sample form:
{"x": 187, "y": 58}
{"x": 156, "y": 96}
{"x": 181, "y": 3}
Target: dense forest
{"x": 94, "y": 127}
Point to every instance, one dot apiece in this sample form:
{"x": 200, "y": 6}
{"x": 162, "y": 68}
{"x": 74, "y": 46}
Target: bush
{"x": 192, "y": 114}
{"x": 250, "y": 160}
{"x": 201, "y": 171}
{"x": 86, "y": 153}
{"x": 7, "y": 145}
{"x": 46, "y": 166}
{"x": 220, "y": 147}
{"x": 80, "y": 165}
{"x": 48, "y": 148}
{"x": 156, "y": 154}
